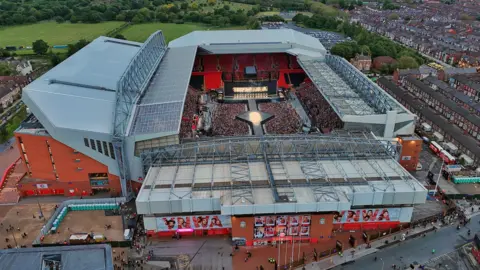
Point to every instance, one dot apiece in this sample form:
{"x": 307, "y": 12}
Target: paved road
{"x": 420, "y": 250}
{"x": 427, "y": 158}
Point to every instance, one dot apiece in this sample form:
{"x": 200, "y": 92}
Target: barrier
{"x": 62, "y": 210}
{"x": 7, "y": 172}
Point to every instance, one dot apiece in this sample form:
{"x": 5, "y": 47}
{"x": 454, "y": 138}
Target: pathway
{"x": 419, "y": 250}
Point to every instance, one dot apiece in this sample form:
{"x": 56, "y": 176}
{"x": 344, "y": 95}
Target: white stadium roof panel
{"x": 75, "y": 112}
{"x": 252, "y": 41}
{"x": 79, "y": 93}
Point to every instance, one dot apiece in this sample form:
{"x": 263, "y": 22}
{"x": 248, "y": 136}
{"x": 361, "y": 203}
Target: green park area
{"x": 53, "y": 33}
{"x": 171, "y": 31}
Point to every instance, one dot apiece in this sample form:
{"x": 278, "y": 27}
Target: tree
{"x": 5, "y": 69}
{"x": 359, "y": 3}
{"x": 40, "y": 47}
{"x": 342, "y": 4}
{"x": 59, "y": 19}
{"x": 3, "y": 132}
{"x": 351, "y": 6}
{"x": 406, "y": 62}
{"x": 253, "y": 23}
{"x": 120, "y": 36}
{"x": 73, "y": 48}
{"x": 393, "y": 17}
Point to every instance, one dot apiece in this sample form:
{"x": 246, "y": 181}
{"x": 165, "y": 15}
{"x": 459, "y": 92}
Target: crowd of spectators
{"x": 319, "y": 111}
{"x": 189, "y": 110}
{"x": 225, "y": 122}
{"x": 285, "y": 121}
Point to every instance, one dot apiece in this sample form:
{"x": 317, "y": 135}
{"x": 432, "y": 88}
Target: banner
{"x": 367, "y": 215}
{"x": 270, "y": 226}
{"x": 193, "y": 222}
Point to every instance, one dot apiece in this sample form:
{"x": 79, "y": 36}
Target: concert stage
{"x": 250, "y": 88}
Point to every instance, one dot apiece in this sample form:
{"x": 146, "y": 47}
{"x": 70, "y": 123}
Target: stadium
{"x": 221, "y": 132}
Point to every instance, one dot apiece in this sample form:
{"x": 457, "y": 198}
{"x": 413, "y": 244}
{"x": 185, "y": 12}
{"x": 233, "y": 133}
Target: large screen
{"x": 193, "y": 222}
{"x": 367, "y": 215}
{"x": 270, "y": 226}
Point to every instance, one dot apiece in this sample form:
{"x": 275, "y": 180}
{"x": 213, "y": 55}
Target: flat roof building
{"x": 98, "y": 257}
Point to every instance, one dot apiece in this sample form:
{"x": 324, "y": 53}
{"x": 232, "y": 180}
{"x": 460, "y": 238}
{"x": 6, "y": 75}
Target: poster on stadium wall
{"x": 367, "y": 215}
{"x": 270, "y": 226}
{"x": 193, "y": 222}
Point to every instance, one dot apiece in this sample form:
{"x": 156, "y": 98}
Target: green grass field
{"x": 171, "y": 31}
{"x": 53, "y": 33}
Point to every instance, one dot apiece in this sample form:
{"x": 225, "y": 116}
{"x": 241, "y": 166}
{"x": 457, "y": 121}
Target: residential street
{"x": 417, "y": 250}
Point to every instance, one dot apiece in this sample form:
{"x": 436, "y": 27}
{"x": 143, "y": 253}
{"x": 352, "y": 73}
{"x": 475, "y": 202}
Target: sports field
{"x": 171, "y": 31}
{"x": 53, "y": 33}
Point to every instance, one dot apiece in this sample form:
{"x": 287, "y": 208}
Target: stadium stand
{"x": 226, "y": 62}
{"x": 293, "y": 64}
{"x": 189, "y": 110}
{"x": 319, "y": 111}
{"x": 263, "y": 62}
{"x": 280, "y": 61}
{"x": 210, "y": 63}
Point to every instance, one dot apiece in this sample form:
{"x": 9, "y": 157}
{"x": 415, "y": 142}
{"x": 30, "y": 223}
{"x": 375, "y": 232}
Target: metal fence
{"x": 46, "y": 228}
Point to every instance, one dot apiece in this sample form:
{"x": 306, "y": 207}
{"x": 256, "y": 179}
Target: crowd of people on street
{"x": 285, "y": 120}
{"x": 225, "y": 122}
{"x": 319, "y": 111}
{"x": 134, "y": 258}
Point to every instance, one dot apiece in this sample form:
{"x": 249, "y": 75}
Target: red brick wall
{"x": 411, "y": 148}
{"x": 321, "y": 231}
{"x": 246, "y": 232}
{"x": 65, "y": 162}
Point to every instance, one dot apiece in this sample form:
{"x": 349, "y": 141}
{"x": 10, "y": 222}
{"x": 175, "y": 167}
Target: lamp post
{"x": 39, "y": 206}
{"x": 383, "y": 263}
{"x": 438, "y": 178}
{"x": 14, "y": 239}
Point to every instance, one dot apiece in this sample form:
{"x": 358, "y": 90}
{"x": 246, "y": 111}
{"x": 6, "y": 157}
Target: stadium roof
{"x": 160, "y": 109}
{"x": 337, "y": 91}
{"x": 343, "y": 179}
{"x": 91, "y": 257}
{"x": 348, "y": 91}
{"x": 249, "y": 41}
{"x": 79, "y": 93}
{"x": 282, "y": 172}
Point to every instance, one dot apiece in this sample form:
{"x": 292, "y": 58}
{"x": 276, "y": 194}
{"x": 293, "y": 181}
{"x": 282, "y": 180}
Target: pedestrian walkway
{"x": 469, "y": 208}
{"x": 362, "y": 250}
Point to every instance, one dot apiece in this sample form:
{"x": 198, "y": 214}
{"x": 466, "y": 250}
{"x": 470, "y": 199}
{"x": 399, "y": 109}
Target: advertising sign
{"x": 193, "y": 222}
{"x": 367, "y": 215}
{"x": 270, "y": 226}
{"x": 42, "y": 186}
